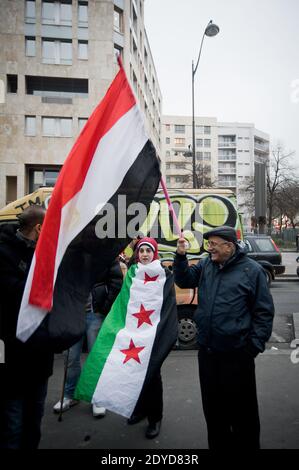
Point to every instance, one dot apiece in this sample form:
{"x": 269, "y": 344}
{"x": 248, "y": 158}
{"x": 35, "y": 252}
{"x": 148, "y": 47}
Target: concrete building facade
{"x": 227, "y": 154}
{"x": 177, "y": 149}
{"x": 57, "y": 59}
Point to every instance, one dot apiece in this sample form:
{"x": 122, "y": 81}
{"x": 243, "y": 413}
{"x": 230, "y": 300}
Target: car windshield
{"x": 264, "y": 244}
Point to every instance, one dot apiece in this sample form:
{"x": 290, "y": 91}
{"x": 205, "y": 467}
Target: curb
{"x": 296, "y": 324}
{"x": 286, "y": 278}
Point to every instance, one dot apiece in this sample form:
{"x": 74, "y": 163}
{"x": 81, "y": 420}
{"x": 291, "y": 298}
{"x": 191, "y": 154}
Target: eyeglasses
{"x": 214, "y": 245}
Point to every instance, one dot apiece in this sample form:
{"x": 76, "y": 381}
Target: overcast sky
{"x": 249, "y": 72}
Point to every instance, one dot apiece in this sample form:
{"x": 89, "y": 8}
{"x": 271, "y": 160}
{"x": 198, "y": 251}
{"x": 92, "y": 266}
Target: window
{"x": 135, "y": 83}
{"x": 207, "y": 155}
{"x": 117, "y": 52}
{"x": 167, "y": 127}
{"x": 83, "y": 50}
{"x": 57, "y": 127}
{"x": 199, "y": 129}
{"x": 134, "y": 49}
{"x": 167, "y": 140}
{"x": 30, "y": 11}
{"x": 11, "y": 189}
{"x": 57, "y": 12}
{"x": 30, "y": 46}
{"x": 48, "y": 12}
{"x": 167, "y": 153}
{"x": 56, "y": 51}
{"x": 118, "y": 20}
{"x": 199, "y": 155}
{"x": 207, "y": 142}
{"x": 134, "y": 20}
{"x": 168, "y": 179}
{"x": 207, "y": 129}
{"x": 178, "y": 179}
{"x": 39, "y": 177}
{"x": 83, "y": 14}
{"x": 56, "y": 86}
{"x": 30, "y": 125}
{"x": 199, "y": 142}
{"x": 12, "y": 83}
{"x": 264, "y": 244}
{"x": 167, "y": 166}
{"x": 81, "y": 123}
{"x": 179, "y": 142}
{"x": 179, "y": 129}
{"x": 145, "y": 57}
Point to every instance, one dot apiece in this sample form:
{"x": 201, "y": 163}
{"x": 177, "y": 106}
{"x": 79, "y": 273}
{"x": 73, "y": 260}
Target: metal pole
{"x": 193, "y": 133}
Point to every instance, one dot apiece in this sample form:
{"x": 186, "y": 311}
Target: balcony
{"x": 227, "y": 184}
{"x": 231, "y": 158}
{"x": 226, "y": 171}
{"x": 261, "y": 147}
{"x": 226, "y": 144}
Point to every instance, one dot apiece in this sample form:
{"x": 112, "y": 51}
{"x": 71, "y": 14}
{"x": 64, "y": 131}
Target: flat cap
{"x": 225, "y": 232}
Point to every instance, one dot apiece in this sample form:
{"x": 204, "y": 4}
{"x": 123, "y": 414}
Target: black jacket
{"x": 235, "y": 308}
{"x": 22, "y": 363}
{"x": 104, "y": 293}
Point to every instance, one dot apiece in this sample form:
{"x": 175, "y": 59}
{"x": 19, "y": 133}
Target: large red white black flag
{"x": 112, "y": 156}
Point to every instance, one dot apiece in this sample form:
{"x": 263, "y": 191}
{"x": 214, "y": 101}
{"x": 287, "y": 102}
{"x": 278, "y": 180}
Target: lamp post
{"x": 211, "y": 30}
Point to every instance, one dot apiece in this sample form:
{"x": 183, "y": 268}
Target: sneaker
{"x": 66, "y": 404}
{"x": 98, "y": 411}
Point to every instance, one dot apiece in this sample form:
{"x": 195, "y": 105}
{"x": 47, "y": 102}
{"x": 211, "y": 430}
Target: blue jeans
{"x": 20, "y": 418}
{"x": 93, "y": 324}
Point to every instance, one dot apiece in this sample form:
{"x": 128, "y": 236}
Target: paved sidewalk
{"x": 183, "y": 426}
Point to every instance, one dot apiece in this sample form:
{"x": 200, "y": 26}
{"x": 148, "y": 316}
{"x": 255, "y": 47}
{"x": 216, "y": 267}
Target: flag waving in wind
{"x": 111, "y": 157}
{"x": 133, "y": 342}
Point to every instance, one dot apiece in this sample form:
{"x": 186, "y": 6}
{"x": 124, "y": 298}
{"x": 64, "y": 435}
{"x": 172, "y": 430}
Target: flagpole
{"x": 171, "y": 209}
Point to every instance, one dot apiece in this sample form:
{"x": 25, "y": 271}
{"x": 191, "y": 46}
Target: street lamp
{"x": 211, "y": 30}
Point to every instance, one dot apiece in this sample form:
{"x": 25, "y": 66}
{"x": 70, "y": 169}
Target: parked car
{"x": 263, "y": 249}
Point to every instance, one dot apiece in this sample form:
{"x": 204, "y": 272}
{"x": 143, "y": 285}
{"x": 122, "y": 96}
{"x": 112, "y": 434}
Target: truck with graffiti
{"x": 197, "y": 211}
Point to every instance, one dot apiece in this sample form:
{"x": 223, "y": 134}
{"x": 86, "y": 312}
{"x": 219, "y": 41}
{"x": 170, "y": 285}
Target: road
{"x": 183, "y": 425}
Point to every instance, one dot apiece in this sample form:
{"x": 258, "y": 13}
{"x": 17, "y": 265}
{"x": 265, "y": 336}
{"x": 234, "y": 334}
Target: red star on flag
{"x": 143, "y": 316}
{"x": 147, "y": 278}
{"x": 132, "y": 352}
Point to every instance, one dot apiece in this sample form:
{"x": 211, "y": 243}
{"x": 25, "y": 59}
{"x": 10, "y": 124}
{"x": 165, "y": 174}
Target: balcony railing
{"x": 226, "y": 144}
{"x": 227, "y": 157}
{"x": 227, "y": 171}
{"x": 261, "y": 147}
{"x": 227, "y": 184}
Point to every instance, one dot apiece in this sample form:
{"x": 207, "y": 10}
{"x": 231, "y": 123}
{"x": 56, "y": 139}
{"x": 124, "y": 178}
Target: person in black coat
{"x": 25, "y": 372}
{"x": 234, "y": 319}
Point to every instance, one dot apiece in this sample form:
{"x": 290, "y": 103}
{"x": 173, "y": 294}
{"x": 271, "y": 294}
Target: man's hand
{"x": 182, "y": 246}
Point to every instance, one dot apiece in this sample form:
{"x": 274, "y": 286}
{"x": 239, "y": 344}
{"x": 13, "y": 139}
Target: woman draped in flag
{"x": 122, "y": 372}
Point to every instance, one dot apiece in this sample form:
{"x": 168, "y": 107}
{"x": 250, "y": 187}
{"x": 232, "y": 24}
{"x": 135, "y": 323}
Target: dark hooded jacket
{"x": 235, "y": 308}
{"x": 22, "y": 363}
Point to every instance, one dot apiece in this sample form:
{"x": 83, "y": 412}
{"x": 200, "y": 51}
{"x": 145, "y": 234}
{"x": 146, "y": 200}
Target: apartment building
{"x": 57, "y": 59}
{"x": 177, "y": 150}
{"x": 241, "y": 150}
{"x": 227, "y": 156}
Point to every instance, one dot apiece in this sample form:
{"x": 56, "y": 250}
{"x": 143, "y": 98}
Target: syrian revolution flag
{"x": 111, "y": 157}
{"x": 133, "y": 341}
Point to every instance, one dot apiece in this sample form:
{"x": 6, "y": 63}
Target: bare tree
{"x": 287, "y": 202}
{"x": 202, "y": 175}
{"x": 279, "y": 173}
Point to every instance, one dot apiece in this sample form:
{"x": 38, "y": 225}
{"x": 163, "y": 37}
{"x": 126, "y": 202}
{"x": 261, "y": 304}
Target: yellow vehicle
{"x": 198, "y": 211}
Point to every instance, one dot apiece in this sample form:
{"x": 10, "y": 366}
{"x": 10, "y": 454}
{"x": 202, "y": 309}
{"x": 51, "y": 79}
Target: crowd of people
{"x": 234, "y": 319}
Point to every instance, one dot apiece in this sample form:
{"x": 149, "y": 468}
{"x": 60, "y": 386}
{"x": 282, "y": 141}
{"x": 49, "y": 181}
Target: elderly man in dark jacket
{"x": 234, "y": 319}
{"x": 25, "y": 373}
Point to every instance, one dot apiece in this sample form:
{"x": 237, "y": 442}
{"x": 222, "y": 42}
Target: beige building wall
{"x": 80, "y": 40}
